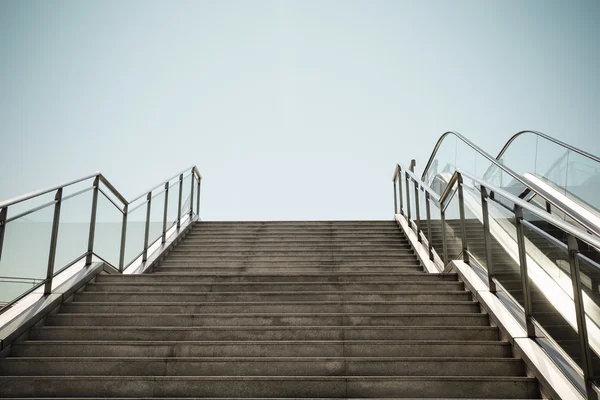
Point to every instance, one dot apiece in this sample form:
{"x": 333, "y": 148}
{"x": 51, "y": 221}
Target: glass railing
{"x": 44, "y": 233}
{"x": 541, "y": 267}
{"x": 565, "y": 169}
{"x": 453, "y": 151}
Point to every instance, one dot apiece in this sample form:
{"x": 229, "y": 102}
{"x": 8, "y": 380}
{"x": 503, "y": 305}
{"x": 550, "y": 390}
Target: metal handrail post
{"x": 179, "y": 206}
{"x": 123, "y": 238}
{"x": 444, "y": 242}
{"x": 198, "y": 198}
{"x": 463, "y": 224}
{"x": 53, "y": 242}
{"x": 487, "y": 240}
{"x": 417, "y": 212}
{"x": 524, "y": 274}
{"x": 147, "y": 231}
{"x": 586, "y": 354}
{"x": 88, "y": 257}
{"x": 400, "y": 190}
{"x": 164, "y": 226}
{"x": 191, "y": 194}
{"x": 3, "y": 214}
{"x": 429, "y": 233}
{"x": 407, "y": 198}
{"x": 395, "y": 198}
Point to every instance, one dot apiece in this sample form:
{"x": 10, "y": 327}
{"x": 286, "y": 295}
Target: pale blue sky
{"x": 291, "y": 110}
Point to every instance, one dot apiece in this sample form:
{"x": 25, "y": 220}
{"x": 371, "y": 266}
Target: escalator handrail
{"x": 543, "y": 135}
{"x": 590, "y": 226}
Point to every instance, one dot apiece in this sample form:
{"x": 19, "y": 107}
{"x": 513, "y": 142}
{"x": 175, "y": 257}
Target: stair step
{"x": 270, "y": 319}
{"x": 270, "y": 307}
{"x": 372, "y": 286}
{"x": 253, "y": 333}
{"x": 261, "y": 386}
{"x": 420, "y": 295}
{"x": 197, "y": 277}
{"x": 266, "y": 366}
{"x": 332, "y": 348}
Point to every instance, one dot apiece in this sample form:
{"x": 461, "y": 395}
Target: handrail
{"x": 552, "y": 200}
{"x": 466, "y": 141}
{"x": 102, "y": 178}
{"x": 572, "y": 233}
{"x": 415, "y": 179}
{"x": 192, "y": 210}
{"x": 41, "y": 192}
{"x": 193, "y": 169}
{"x": 541, "y": 213}
{"x": 550, "y": 138}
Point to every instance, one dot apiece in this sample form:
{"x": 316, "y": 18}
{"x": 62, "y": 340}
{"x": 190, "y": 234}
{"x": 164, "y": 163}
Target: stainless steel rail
{"x": 403, "y": 179}
{"x": 124, "y": 208}
{"x": 551, "y": 200}
{"x": 550, "y": 138}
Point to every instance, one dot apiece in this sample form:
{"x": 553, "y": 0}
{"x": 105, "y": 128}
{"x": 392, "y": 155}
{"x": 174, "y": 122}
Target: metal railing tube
{"x": 400, "y": 192}
{"x": 198, "y": 198}
{"x": 463, "y": 224}
{"x": 429, "y": 233}
{"x": 417, "y": 212}
{"x": 179, "y": 204}
{"x": 586, "y": 355}
{"x": 444, "y": 242}
{"x": 90, "y": 251}
{"x": 407, "y": 198}
{"x": 3, "y": 214}
{"x": 147, "y": 229}
{"x": 123, "y": 239}
{"x": 525, "y": 281}
{"x": 53, "y": 242}
{"x": 192, "y": 194}
{"x": 164, "y": 226}
{"x": 487, "y": 238}
{"x": 395, "y": 198}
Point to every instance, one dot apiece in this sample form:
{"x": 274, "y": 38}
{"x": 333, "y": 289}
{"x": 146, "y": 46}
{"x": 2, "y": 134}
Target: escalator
{"x": 565, "y": 186}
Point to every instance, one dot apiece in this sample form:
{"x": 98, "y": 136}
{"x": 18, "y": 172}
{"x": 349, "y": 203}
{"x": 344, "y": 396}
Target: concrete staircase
{"x": 267, "y": 310}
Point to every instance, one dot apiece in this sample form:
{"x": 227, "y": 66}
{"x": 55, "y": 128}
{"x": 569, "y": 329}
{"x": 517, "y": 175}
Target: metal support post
{"x": 463, "y": 225}
{"x": 444, "y": 242}
{"x": 147, "y": 231}
{"x": 525, "y": 281}
{"x": 429, "y": 233}
{"x": 3, "y": 214}
{"x": 395, "y": 198}
{"x": 90, "y": 252}
{"x": 400, "y": 191}
{"x": 408, "y": 199}
{"x": 179, "y": 203}
{"x": 123, "y": 238}
{"x": 164, "y": 227}
{"x": 417, "y": 212}
{"x": 487, "y": 240}
{"x": 586, "y": 354}
{"x": 53, "y": 242}
{"x": 198, "y": 198}
{"x": 191, "y": 194}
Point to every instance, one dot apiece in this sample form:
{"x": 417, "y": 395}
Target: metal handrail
{"x": 573, "y": 234}
{"x": 550, "y": 138}
{"x": 541, "y": 213}
{"x": 37, "y": 193}
{"x": 541, "y": 192}
{"x": 98, "y": 179}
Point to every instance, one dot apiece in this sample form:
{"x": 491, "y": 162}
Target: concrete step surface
{"x": 504, "y": 387}
{"x": 314, "y": 348}
{"x": 278, "y": 309}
